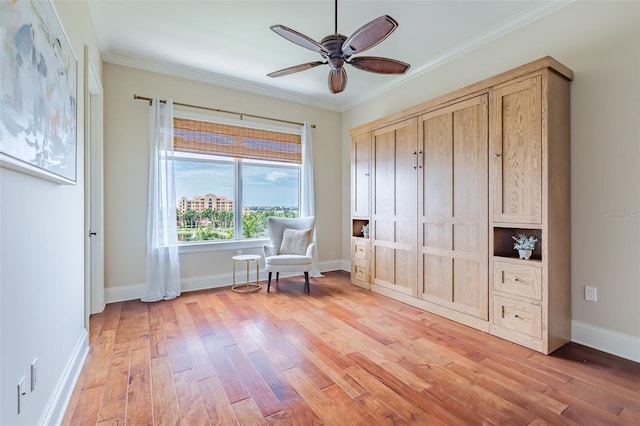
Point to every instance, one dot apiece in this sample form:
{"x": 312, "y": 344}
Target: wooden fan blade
{"x": 295, "y": 68}
{"x": 379, "y": 65}
{"x": 299, "y": 39}
{"x": 369, "y": 35}
{"x": 337, "y": 80}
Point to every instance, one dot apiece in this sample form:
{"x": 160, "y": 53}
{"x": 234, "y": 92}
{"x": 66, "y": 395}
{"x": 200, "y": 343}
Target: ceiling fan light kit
{"x": 336, "y": 50}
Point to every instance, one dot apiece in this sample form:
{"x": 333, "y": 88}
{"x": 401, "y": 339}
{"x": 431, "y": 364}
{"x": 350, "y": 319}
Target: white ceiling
{"x": 229, "y": 43}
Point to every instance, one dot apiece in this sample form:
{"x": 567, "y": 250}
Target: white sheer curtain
{"x": 163, "y": 265}
{"x": 307, "y": 202}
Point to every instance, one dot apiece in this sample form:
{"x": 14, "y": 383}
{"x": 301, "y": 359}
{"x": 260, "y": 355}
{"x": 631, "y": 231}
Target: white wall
{"x": 126, "y": 175}
{"x": 42, "y": 267}
{"x": 600, "y": 42}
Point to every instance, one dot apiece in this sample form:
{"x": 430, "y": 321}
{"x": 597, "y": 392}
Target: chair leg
{"x": 307, "y": 288}
{"x": 269, "y": 283}
{"x": 277, "y": 276}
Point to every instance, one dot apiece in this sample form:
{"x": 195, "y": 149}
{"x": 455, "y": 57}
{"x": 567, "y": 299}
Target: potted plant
{"x": 525, "y": 245}
{"x": 365, "y": 230}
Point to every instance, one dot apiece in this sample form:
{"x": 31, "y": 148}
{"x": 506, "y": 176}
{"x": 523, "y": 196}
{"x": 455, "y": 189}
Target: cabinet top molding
{"x": 469, "y": 91}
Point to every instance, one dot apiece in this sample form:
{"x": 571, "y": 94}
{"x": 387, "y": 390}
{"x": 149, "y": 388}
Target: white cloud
{"x": 276, "y": 176}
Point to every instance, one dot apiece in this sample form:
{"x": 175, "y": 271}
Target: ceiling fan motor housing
{"x": 333, "y": 43}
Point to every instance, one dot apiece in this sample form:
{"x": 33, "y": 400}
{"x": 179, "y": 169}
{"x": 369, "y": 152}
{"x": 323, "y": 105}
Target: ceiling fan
{"x": 336, "y": 50}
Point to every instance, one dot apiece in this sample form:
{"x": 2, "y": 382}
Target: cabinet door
{"x": 394, "y": 207}
{"x": 516, "y": 150}
{"x": 453, "y": 207}
{"x": 361, "y": 175}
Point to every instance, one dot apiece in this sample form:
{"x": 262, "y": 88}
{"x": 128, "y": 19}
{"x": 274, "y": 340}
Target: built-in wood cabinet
{"x": 394, "y": 200}
{"x": 449, "y": 182}
{"x": 530, "y": 188}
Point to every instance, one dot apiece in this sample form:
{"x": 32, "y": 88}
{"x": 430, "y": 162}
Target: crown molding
{"x": 192, "y": 74}
{"x": 500, "y": 30}
{"x": 532, "y": 14}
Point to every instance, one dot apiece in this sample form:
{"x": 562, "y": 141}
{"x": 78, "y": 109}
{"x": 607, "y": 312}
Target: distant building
{"x": 200, "y": 203}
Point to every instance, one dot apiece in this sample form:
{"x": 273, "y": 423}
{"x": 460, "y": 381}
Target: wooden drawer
{"x": 521, "y": 280}
{"x": 360, "y": 271}
{"x": 360, "y": 248}
{"x": 518, "y": 316}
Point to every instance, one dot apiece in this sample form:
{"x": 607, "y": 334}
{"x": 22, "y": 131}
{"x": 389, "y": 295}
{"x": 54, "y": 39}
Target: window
{"x": 230, "y": 179}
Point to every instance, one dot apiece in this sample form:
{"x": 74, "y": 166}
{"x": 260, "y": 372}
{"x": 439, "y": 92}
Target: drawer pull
{"x": 516, "y": 279}
{"x": 516, "y": 315}
{"x": 502, "y": 311}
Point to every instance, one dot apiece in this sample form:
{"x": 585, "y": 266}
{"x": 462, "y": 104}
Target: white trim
{"x": 57, "y": 404}
{"x": 228, "y": 245}
{"x": 526, "y": 17}
{"x": 612, "y": 342}
{"x": 192, "y": 74}
{"x": 137, "y": 291}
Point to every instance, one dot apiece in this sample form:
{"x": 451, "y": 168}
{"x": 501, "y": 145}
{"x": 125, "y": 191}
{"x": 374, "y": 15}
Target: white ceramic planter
{"x": 525, "y": 254}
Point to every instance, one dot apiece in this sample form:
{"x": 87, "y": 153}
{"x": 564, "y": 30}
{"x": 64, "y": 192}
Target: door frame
{"x": 93, "y": 191}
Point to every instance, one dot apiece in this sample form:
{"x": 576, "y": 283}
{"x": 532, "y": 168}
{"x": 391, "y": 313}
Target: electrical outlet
{"x": 34, "y": 374}
{"x": 590, "y": 294}
{"x": 22, "y": 392}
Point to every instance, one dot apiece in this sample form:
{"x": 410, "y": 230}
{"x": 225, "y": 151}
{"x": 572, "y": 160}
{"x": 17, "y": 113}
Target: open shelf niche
{"x": 356, "y": 227}
{"x": 503, "y": 243}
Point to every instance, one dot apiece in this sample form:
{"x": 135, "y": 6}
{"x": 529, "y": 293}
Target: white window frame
{"x": 235, "y": 244}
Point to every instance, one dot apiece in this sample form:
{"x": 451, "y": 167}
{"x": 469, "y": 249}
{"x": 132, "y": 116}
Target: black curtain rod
{"x": 242, "y": 115}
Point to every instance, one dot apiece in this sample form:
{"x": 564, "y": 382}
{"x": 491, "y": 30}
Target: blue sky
{"x": 263, "y": 185}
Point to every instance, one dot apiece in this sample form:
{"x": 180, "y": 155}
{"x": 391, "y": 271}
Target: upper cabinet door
{"x": 516, "y": 152}
{"x": 361, "y": 176}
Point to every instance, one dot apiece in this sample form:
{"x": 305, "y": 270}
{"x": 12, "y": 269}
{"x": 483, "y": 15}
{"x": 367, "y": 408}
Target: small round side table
{"x": 247, "y": 287}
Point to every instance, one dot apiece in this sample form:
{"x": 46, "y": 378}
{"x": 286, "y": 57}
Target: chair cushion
{"x": 295, "y": 241}
{"x": 288, "y": 259}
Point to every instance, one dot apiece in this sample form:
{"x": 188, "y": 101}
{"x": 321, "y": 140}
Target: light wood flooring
{"x": 339, "y": 356}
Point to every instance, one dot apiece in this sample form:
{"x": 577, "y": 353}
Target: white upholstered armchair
{"x": 290, "y": 248}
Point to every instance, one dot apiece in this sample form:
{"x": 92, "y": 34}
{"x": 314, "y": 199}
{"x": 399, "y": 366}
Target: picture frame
{"x": 38, "y": 92}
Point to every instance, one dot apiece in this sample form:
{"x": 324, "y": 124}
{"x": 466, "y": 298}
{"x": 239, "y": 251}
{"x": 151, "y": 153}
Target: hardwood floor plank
{"x": 177, "y": 347}
{"x": 86, "y": 410}
{"x": 332, "y": 370}
{"x": 407, "y": 411}
{"x": 114, "y": 397}
{"x": 438, "y": 414}
{"x": 247, "y": 412}
{"x": 260, "y": 392}
{"x": 157, "y": 339}
{"x": 165, "y": 403}
{"x": 199, "y": 319}
{"x": 192, "y": 409}
{"x": 229, "y": 378}
{"x": 97, "y": 366}
{"x": 139, "y": 391}
{"x": 297, "y": 410}
{"x": 216, "y": 403}
{"x": 340, "y": 355}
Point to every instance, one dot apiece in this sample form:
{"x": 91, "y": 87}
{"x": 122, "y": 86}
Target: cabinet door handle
{"x": 415, "y": 160}
{"x": 502, "y": 311}
{"x": 516, "y": 279}
{"x": 420, "y": 160}
{"x": 497, "y": 154}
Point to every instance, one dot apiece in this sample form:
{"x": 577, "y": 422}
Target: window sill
{"x": 221, "y": 245}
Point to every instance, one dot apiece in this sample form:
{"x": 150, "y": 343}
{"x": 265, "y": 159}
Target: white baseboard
{"x": 57, "y": 404}
{"x": 136, "y": 291}
{"x": 612, "y": 342}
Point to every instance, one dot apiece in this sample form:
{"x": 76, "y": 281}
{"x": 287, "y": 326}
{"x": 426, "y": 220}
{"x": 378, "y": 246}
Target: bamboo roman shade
{"x": 203, "y": 137}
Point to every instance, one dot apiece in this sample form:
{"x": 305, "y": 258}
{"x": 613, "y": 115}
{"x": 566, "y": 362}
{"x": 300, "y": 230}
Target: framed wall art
{"x": 38, "y": 92}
